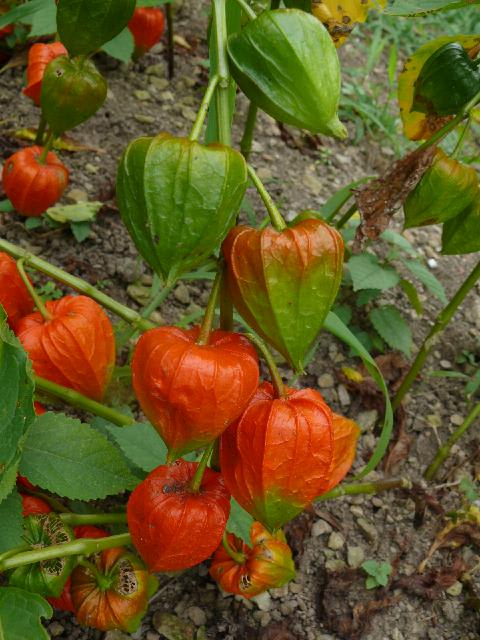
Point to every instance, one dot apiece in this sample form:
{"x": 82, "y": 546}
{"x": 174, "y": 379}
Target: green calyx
{"x": 286, "y": 64}
{"x": 178, "y": 199}
{"x": 72, "y": 92}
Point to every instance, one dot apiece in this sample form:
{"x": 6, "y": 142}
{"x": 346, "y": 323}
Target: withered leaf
{"x": 400, "y": 449}
{"x": 380, "y": 198}
{"x": 298, "y": 530}
{"x": 432, "y": 584}
{"x": 277, "y": 631}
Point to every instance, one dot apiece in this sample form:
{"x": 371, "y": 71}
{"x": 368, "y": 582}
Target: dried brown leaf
{"x": 277, "y": 631}
{"x": 379, "y": 199}
{"x": 434, "y": 583}
{"x": 298, "y": 530}
{"x": 400, "y": 449}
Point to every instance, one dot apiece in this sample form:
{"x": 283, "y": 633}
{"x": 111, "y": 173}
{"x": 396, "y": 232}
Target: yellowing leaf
{"x": 79, "y": 212}
{"x": 340, "y": 16}
{"x": 352, "y": 374}
{"x": 416, "y": 125}
{"x": 64, "y": 143}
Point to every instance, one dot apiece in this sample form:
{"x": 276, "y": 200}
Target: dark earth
{"x": 328, "y": 599}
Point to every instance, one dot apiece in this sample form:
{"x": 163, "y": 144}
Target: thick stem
{"x": 46, "y": 149}
{"x": 203, "y": 110}
{"x": 170, "y": 41}
{"x": 14, "y": 551}
{"x": 41, "y": 130}
{"x": 234, "y": 555}
{"x": 31, "y": 290}
{"x": 441, "y": 133}
{"x": 223, "y": 89}
{"x": 198, "y": 477}
{"x": 81, "y": 547}
{"x": 346, "y": 217}
{"x": 368, "y": 488}
{"x": 209, "y": 317}
{"x": 127, "y": 314}
{"x": 280, "y": 390}
{"x": 275, "y": 216}
{"x": 441, "y": 322}
{"x": 247, "y": 9}
{"x": 80, "y": 519}
{"x": 444, "y": 451}
{"x": 76, "y": 399}
{"x": 102, "y": 581}
{"x": 247, "y": 138}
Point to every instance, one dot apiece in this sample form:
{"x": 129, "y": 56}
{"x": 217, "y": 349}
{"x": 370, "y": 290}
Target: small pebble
{"x": 445, "y": 364}
{"x": 455, "y": 590}
{"x": 456, "y": 419}
{"x": 144, "y": 119}
{"x": 336, "y": 541}
{"x": 343, "y": 395}
{"x": 55, "y": 629}
{"x": 263, "y": 601}
{"x": 142, "y": 95}
{"x": 335, "y": 565}
{"x": 368, "y": 529}
{"x": 197, "y": 616}
{"x": 319, "y": 528}
{"x": 325, "y": 381}
{"x": 432, "y": 263}
{"x": 355, "y": 556}
{"x": 367, "y": 420}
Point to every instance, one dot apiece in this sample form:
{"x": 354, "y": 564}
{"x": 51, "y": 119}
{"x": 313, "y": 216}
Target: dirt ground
{"x": 328, "y": 599}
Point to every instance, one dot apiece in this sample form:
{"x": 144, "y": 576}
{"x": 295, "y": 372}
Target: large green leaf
{"x": 44, "y": 21}
{"x": 85, "y": 25}
{"x": 334, "y": 325}
{"x": 423, "y": 7}
{"x": 16, "y": 404}
{"x": 20, "y": 613}
{"x": 121, "y": 47}
{"x": 23, "y": 11}
{"x": 11, "y": 522}
{"x": 72, "y": 459}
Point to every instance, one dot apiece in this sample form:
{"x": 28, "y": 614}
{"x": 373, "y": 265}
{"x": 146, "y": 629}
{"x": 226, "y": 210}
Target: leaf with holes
{"x": 392, "y": 328}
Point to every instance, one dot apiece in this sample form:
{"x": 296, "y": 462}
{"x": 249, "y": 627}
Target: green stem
{"x": 234, "y": 555}
{"x": 340, "y": 206}
{"x": 275, "y": 4}
{"x": 247, "y": 138}
{"x": 127, "y": 314}
{"x": 46, "y": 149}
{"x": 226, "y": 305}
{"x": 346, "y": 217}
{"x": 41, "y": 130}
{"x": 275, "y": 216}
{"x": 280, "y": 390}
{"x": 247, "y": 9}
{"x": 198, "y": 477}
{"x": 209, "y": 317}
{"x": 441, "y": 133}
{"x": 444, "y": 451}
{"x": 31, "y": 290}
{"x": 368, "y": 488}
{"x": 203, "y": 110}
{"x": 223, "y": 89}
{"x": 80, "y": 519}
{"x": 441, "y": 323}
{"x": 170, "y": 41}
{"x": 14, "y": 551}
{"x": 102, "y": 581}
{"x": 461, "y": 138}
{"x": 81, "y": 547}
{"x": 76, "y": 399}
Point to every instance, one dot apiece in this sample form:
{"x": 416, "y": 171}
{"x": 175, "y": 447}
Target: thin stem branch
{"x": 461, "y": 137}
{"x": 275, "y": 216}
{"x": 170, "y": 41}
{"x": 46, "y": 149}
{"x": 209, "y": 317}
{"x": 226, "y": 305}
{"x": 80, "y": 519}
{"x": 223, "y": 89}
{"x": 368, "y": 488}
{"x": 76, "y": 399}
{"x": 444, "y": 451}
{"x": 441, "y": 323}
{"x": 249, "y": 130}
{"x": 238, "y": 556}
{"x": 247, "y": 9}
{"x": 31, "y": 290}
{"x": 127, "y": 314}
{"x": 346, "y": 216}
{"x": 41, "y": 130}
{"x": 202, "y": 465}
{"x": 81, "y": 547}
{"x": 203, "y": 110}
{"x": 280, "y": 390}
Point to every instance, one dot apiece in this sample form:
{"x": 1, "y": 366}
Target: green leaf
{"x": 80, "y": 230}
{"x": 78, "y": 212}
{"x": 11, "y": 522}
{"x": 423, "y": 7}
{"x": 368, "y": 273}
{"x": 371, "y": 583}
{"x": 20, "y": 613}
{"x": 412, "y": 296}
{"x": 239, "y": 522}
{"x": 400, "y": 241}
{"x": 6, "y": 206}
{"x": 121, "y": 47}
{"x": 72, "y": 459}
{"x": 367, "y": 295}
{"x": 44, "y": 21}
{"x": 18, "y": 14}
{"x": 16, "y": 404}
{"x": 426, "y": 277}
{"x": 392, "y": 328}
{"x": 85, "y": 25}
{"x": 335, "y": 326}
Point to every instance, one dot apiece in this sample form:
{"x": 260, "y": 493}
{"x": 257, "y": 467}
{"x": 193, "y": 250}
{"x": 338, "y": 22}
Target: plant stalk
{"x": 444, "y": 451}
{"x": 81, "y": 547}
{"x": 31, "y": 290}
{"x": 247, "y": 138}
{"x": 102, "y": 581}
{"x": 226, "y": 305}
{"x": 41, "y": 130}
{"x": 223, "y": 88}
{"x": 80, "y": 519}
{"x": 275, "y": 216}
{"x": 80, "y": 401}
{"x": 280, "y": 389}
{"x": 170, "y": 41}
{"x": 237, "y": 556}
{"x": 441, "y": 323}
{"x": 127, "y": 314}
{"x": 247, "y": 9}
{"x": 203, "y": 110}
{"x": 369, "y": 488}
{"x": 461, "y": 138}
{"x": 202, "y": 465}
{"x": 46, "y": 149}
{"x": 346, "y": 217}
{"x": 209, "y": 317}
